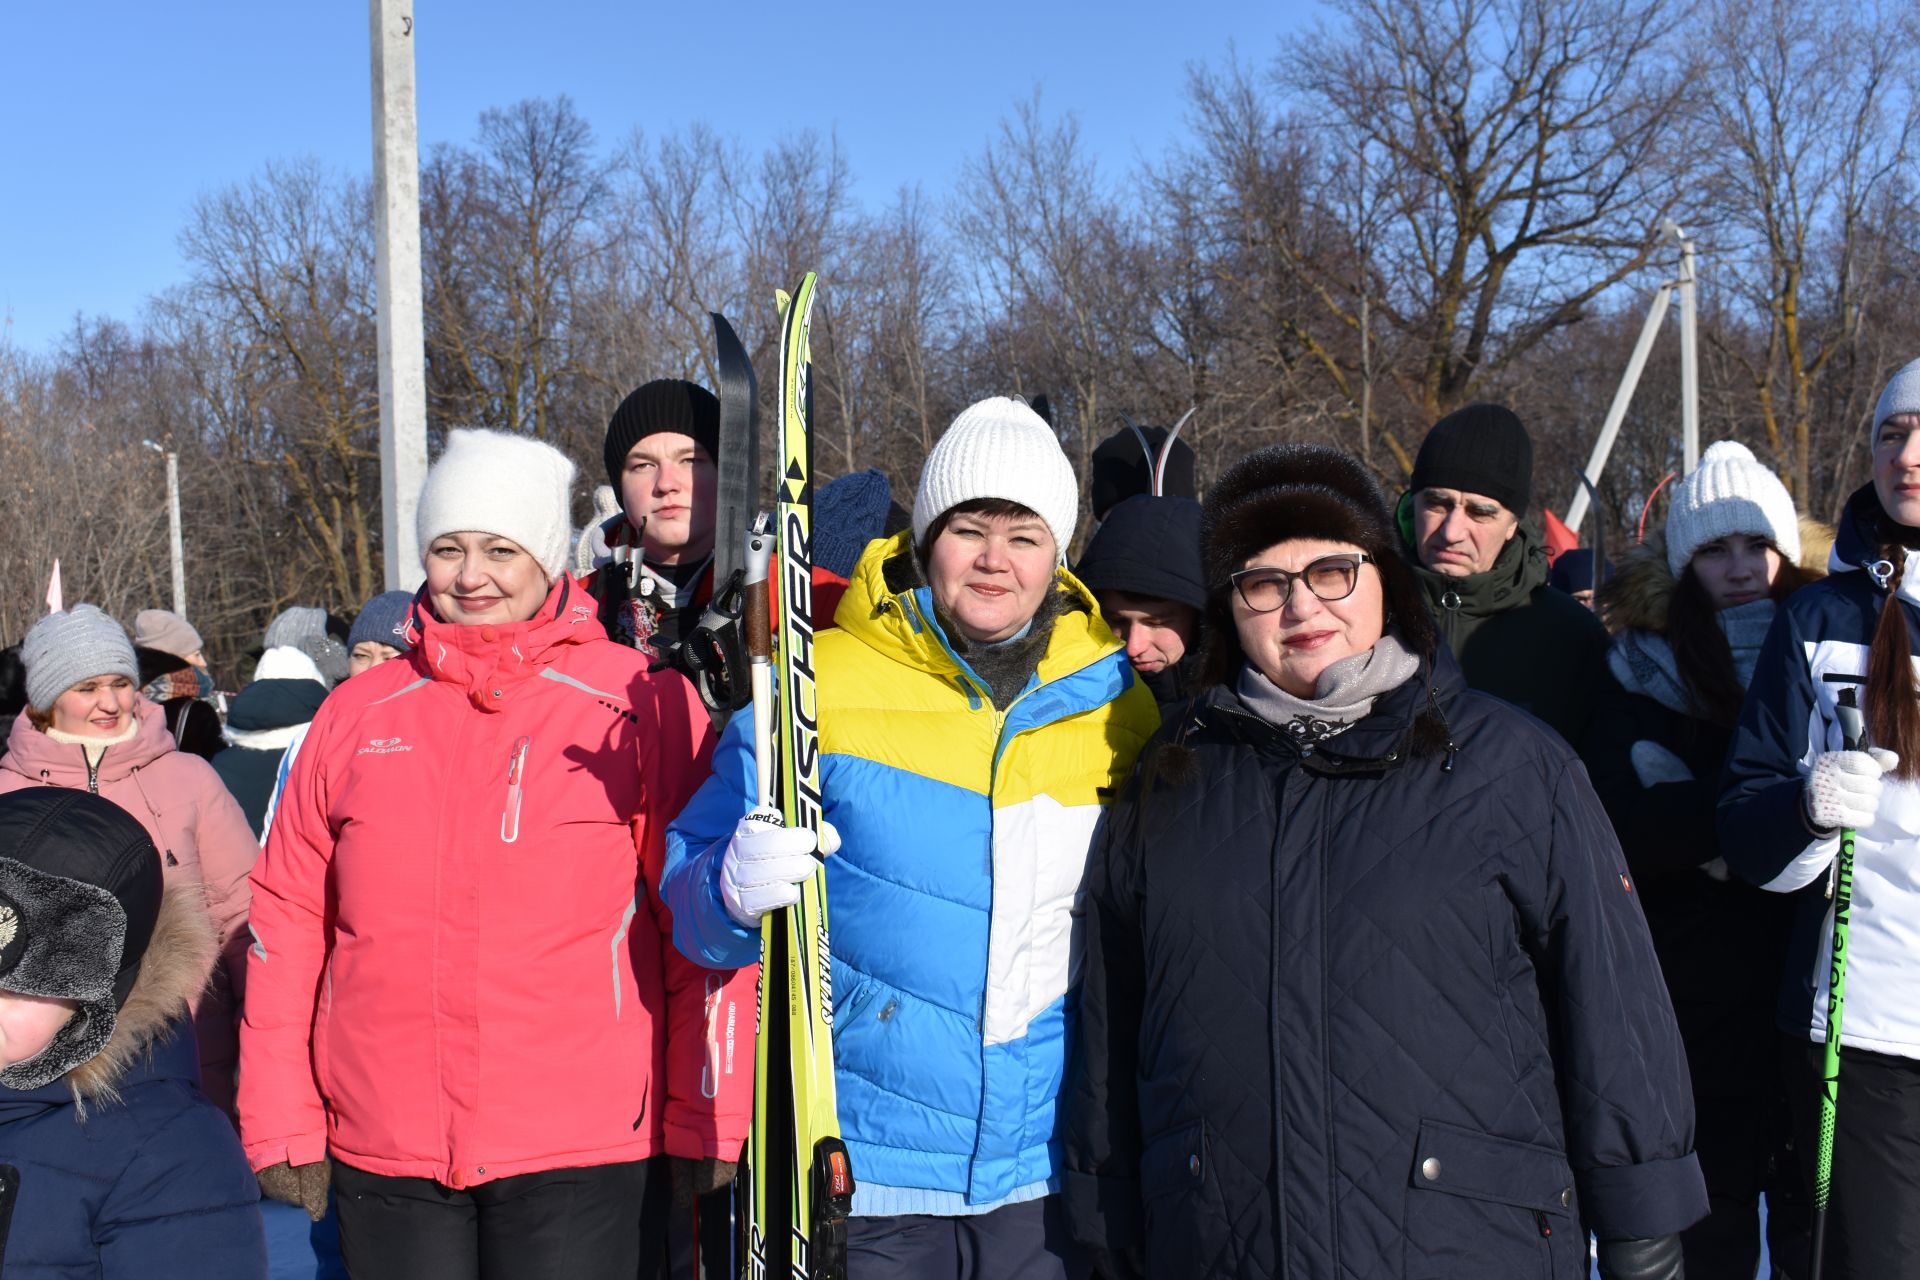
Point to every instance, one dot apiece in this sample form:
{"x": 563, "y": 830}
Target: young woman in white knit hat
{"x": 1791, "y": 786}
{"x": 88, "y": 726}
{"x": 1690, "y": 611}
{"x": 976, "y": 716}
{"x": 463, "y": 1007}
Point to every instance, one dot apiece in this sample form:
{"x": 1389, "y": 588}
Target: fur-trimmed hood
{"x": 1640, "y": 592}
{"x": 173, "y": 972}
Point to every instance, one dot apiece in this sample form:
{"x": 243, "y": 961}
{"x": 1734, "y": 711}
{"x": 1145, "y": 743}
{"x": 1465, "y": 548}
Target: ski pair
{"x": 802, "y": 1182}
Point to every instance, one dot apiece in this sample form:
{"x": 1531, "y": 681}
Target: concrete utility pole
{"x": 402, "y": 332}
{"x": 1684, "y": 284}
{"x": 178, "y": 547}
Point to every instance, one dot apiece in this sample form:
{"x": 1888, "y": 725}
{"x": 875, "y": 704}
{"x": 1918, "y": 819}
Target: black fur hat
{"x": 1288, "y": 491}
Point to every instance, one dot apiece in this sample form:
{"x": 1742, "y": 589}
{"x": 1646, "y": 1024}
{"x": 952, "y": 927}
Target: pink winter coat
{"x": 462, "y": 970}
{"x": 200, "y": 831}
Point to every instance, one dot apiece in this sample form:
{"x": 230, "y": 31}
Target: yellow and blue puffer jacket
{"x": 964, "y": 836}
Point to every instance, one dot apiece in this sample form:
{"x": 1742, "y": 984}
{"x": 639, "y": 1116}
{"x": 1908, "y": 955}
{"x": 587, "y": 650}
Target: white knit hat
{"x": 1729, "y": 492}
{"x": 1902, "y": 394}
{"x": 999, "y": 448}
{"x": 507, "y": 485}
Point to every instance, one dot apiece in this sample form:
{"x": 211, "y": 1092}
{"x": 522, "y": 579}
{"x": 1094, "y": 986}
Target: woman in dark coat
{"x": 1367, "y": 989}
{"x": 1690, "y": 610}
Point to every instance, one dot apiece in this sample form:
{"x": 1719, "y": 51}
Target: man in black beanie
{"x": 1143, "y": 566}
{"x": 1485, "y": 573}
{"x": 661, "y": 451}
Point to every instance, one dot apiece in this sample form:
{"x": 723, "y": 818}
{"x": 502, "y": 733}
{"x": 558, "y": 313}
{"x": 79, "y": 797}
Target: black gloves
{"x": 1656, "y": 1259}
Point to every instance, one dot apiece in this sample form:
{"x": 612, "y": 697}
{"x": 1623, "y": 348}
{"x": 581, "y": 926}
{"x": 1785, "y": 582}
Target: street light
{"x": 173, "y": 527}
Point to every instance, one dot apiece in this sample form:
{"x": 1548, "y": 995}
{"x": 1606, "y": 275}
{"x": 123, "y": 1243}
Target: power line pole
{"x": 176, "y": 547}
{"x": 402, "y": 331}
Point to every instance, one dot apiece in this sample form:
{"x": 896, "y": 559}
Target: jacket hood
{"x": 491, "y": 662}
{"x": 152, "y": 1037}
{"x": 1641, "y": 590}
{"x": 1520, "y": 570}
{"x": 274, "y": 704}
{"x": 897, "y": 618}
{"x": 34, "y": 755}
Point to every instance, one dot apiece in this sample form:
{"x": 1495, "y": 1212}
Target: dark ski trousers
{"x": 1873, "y": 1215}
{"x": 1744, "y": 1138}
{"x": 558, "y": 1224}
{"x": 1027, "y": 1241}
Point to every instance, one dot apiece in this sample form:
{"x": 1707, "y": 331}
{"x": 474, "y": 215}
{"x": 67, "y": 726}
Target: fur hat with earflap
{"x": 1289, "y": 491}
{"x": 510, "y": 486}
{"x": 86, "y": 916}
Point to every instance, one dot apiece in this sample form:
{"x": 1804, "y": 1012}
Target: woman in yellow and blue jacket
{"x": 976, "y": 716}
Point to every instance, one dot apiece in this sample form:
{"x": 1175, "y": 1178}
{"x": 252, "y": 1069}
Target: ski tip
{"x": 782, "y": 300}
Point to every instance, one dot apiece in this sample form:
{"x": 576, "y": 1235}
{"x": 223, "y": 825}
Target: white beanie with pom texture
{"x": 507, "y": 485}
{"x": 1730, "y": 492}
{"x": 999, "y": 448}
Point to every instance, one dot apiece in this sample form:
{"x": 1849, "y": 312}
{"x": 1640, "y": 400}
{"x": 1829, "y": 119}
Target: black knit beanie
{"x": 1481, "y": 449}
{"x": 665, "y": 404}
{"x": 1289, "y": 491}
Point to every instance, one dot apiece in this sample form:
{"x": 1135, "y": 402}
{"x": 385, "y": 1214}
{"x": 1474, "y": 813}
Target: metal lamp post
{"x": 173, "y": 527}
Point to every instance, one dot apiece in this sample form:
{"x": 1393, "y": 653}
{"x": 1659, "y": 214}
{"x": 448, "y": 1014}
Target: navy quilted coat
{"x": 1350, "y": 1013}
{"x": 151, "y": 1185}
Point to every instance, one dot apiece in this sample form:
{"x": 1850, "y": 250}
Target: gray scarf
{"x": 1643, "y": 661}
{"x": 1343, "y": 695}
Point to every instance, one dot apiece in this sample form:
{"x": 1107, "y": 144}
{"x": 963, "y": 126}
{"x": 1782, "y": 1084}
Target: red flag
{"x": 1559, "y": 537}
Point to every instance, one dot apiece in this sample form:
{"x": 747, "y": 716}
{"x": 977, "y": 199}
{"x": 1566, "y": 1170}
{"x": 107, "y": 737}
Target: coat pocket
{"x": 1483, "y": 1205}
{"x": 1186, "y": 1225}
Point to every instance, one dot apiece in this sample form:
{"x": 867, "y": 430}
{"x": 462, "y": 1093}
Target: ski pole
{"x": 1853, "y": 736}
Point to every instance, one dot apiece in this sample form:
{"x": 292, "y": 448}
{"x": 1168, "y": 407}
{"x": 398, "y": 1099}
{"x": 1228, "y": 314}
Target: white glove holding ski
{"x": 764, "y": 863}
{"x": 1843, "y": 790}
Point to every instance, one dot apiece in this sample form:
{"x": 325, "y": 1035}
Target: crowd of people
{"x": 1301, "y": 881}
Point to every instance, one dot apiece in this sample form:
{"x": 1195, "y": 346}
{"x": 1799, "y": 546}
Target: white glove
{"x": 1843, "y": 790}
{"x": 764, "y": 863}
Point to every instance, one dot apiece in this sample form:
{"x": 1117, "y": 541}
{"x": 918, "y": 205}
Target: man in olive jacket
{"x": 1485, "y": 574}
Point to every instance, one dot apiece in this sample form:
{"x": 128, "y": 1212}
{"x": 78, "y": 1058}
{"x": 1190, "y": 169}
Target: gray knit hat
{"x": 383, "y": 619}
{"x": 62, "y": 649}
{"x": 309, "y": 629}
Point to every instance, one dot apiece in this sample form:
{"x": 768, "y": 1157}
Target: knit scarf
{"x": 1343, "y": 695}
{"x": 1643, "y": 661}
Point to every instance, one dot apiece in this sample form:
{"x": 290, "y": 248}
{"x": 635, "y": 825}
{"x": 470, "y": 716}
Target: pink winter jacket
{"x": 200, "y": 831}
{"x": 461, "y": 969}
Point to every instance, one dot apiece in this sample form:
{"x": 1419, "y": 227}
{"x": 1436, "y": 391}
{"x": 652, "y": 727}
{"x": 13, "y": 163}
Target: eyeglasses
{"x": 1330, "y": 578}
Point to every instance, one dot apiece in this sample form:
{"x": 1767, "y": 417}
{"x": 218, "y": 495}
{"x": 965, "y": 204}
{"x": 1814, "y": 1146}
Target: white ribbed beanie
{"x": 999, "y": 448}
{"x": 1902, "y": 394}
{"x": 511, "y": 486}
{"x": 1729, "y": 492}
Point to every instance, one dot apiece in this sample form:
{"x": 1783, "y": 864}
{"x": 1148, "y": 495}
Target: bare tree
{"x": 1523, "y": 151}
{"x": 1813, "y": 112}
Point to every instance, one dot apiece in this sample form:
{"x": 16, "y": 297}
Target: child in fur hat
{"x": 111, "y": 1162}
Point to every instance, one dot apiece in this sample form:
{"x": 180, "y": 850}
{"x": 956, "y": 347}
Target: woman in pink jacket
{"x": 462, "y": 985}
{"x": 87, "y": 726}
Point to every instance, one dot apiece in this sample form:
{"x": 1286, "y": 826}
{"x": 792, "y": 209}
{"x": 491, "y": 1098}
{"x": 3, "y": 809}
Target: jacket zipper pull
{"x": 1546, "y": 1228}
{"x": 516, "y": 772}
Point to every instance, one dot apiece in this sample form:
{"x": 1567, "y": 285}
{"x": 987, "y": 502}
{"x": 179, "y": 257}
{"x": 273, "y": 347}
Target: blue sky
{"x": 119, "y": 113}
